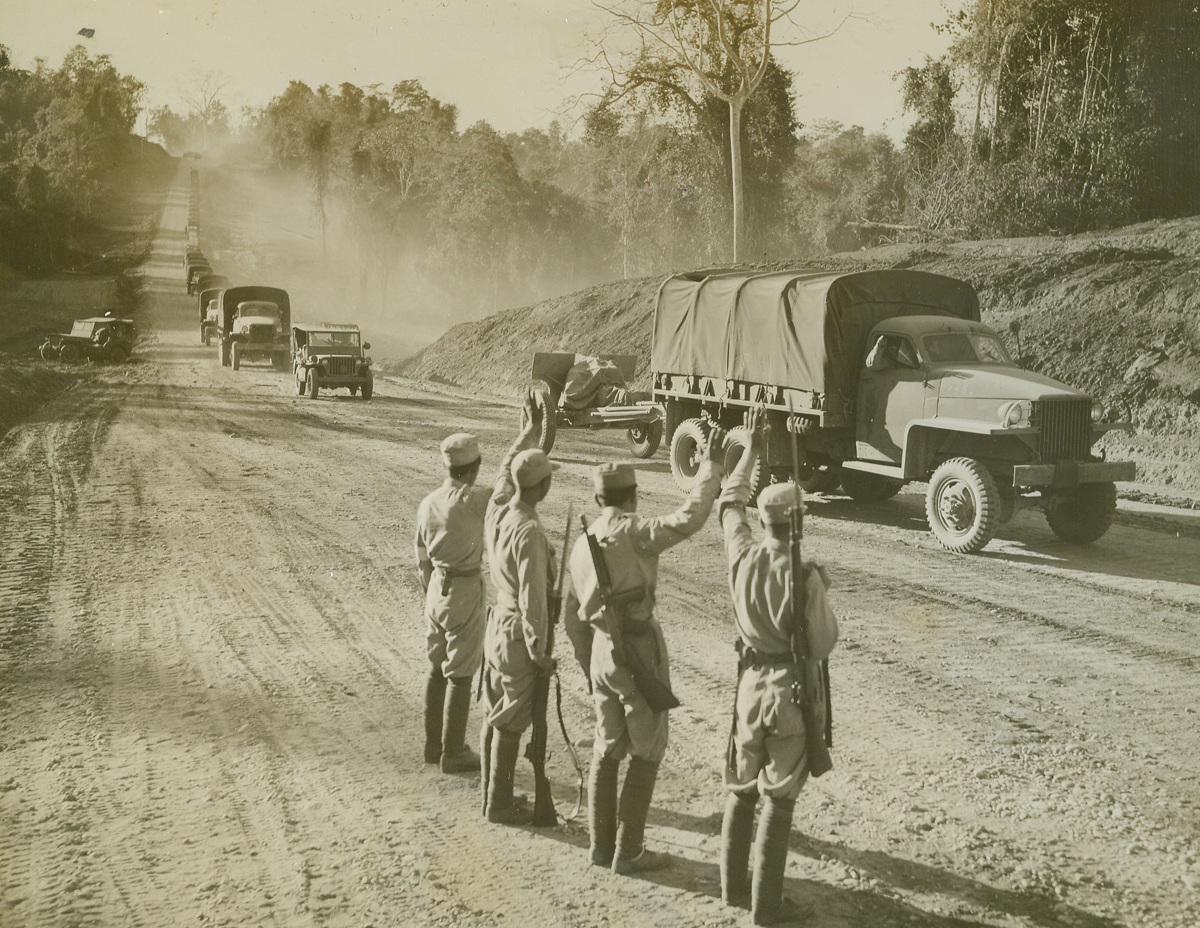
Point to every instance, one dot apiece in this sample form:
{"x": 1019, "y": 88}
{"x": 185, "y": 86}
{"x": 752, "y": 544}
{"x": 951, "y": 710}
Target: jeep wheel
{"x": 737, "y": 443}
{"x": 235, "y": 357}
{"x": 543, "y": 405}
{"x": 118, "y": 354}
{"x": 687, "y": 451}
{"x": 299, "y": 377}
{"x": 869, "y": 488}
{"x": 367, "y": 389}
{"x": 47, "y": 352}
{"x": 962, "y": 505}
{"x": 313, "y": 383}
{"x": 1084, "y": 515}
{"x": 70, "y": 354}
{"x": 644, "y": 439}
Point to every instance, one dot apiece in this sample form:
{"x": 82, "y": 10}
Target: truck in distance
{"x": 884, "y": 377}
{"x": 252, "y": 325}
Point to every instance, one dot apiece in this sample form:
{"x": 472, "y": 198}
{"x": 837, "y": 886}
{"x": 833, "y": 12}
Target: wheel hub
{"x": 956, "y": 504}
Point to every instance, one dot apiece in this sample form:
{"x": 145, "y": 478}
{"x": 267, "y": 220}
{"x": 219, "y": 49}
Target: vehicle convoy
{"x": 328, "y": 355}
{"x": 883, "y": 377}
{"x": 252, "y": 325}
{"x": 574, "y": 391}
{"x": 100, "y": 338}
{"x": 206, "y": 303}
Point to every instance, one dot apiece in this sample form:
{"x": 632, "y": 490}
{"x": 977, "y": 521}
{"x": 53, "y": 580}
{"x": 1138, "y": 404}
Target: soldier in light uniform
{"x": 625, "y": 723}
{"x": 522, "y": 568}
{"x": 768, "y": 753}
{"x": 449, "y": 547}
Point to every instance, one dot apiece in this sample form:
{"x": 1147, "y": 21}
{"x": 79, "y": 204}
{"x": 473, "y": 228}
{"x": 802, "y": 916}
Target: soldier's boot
{"x": 500, "y": 806}
{"x": 636, "y": 795}
{"x": 486, "y": 735}
{"x": 435, "y": 699}
{"x": 767, "y": 905}
{"x": 737, "y": 834}
{"x": 602, "y": 809}
{"x": 456, "y": 756}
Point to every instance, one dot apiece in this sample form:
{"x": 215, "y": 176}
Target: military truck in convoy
{"x": 252, "y": 325}
{"x": 210, "y": 288}
{"x": 883, "y": 377}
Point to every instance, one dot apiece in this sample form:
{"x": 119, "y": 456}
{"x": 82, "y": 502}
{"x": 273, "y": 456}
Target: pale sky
{"x": 507, "y": 62}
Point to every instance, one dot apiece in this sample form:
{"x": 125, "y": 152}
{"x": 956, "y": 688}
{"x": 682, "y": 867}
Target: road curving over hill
{"x": 211, "y": 659}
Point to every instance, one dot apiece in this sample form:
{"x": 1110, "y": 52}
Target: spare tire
{"x": 737, "y": 443}
{"x": 547, "y": 413}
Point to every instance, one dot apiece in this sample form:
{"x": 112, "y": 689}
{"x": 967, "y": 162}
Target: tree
{"x": 722, "y": 46}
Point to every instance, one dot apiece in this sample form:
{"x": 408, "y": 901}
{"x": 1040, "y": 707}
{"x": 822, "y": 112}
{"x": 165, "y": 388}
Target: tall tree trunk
{"x": 735, "y": 170}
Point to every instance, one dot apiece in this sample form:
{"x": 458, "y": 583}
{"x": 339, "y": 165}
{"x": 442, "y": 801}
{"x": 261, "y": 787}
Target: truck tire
{"x": 543, "y": 402}
{"x": 962, "y": 505}
{"x": 868, "y": 488}
{"x": 70, "y": 354}
{"x": 204, "y": 336}
{"x": 313, "y": 384}
{"x": 687, "y": 451}
{"x": 235, "y": 357}
{"x": 223, "y": 351}
{"x": 823, "y": 479}
{"x": 644, "y": 439}
{"x": 737, "y": 443}
{"x": 1085, "y": 515}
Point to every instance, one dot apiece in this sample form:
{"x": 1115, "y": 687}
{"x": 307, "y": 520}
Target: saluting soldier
{"x": 768, "y": 754}
{"x": 522, "y": 569}
{"x": 625, "y": 722}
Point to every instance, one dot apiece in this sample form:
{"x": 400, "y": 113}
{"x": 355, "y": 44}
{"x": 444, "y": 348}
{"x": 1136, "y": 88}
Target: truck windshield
{"x": 966, "y": 348}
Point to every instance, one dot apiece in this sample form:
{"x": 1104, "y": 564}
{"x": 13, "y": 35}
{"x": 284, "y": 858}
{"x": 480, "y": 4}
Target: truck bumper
{"x": 1068, "y": 474}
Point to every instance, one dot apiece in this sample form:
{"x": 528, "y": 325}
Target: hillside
{"x": 1116, "y": 313}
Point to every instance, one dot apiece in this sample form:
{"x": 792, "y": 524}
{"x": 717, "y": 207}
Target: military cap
{"x": 459, "y": 449}
{"x": 530, "y": 468}
{"x": 613, "y": 477}
{"x": 775, "y": 503}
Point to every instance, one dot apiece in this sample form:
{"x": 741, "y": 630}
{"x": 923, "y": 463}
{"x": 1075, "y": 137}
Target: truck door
{"x": 891, "y": 393}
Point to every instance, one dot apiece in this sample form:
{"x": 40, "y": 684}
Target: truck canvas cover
{"x": 802, "y": 329}
{"x": 230, "y": 298}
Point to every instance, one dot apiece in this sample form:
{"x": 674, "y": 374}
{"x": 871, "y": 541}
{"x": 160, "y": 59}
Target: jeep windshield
{"x": 333, "y": 339}
{"x": 966, "y": 348}
{"x": 83, "y": 329}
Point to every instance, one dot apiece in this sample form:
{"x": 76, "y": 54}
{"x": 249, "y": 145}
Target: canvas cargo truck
{"x": 206, "y": 303}
{"x": 328, "y": 355}
{"x": 252, "y": 325}
{"x": 884, "y": 377}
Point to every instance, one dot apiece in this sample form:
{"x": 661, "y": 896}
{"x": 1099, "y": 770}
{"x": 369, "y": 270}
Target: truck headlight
{"x": 243, "y": 329}
{"x": 1015, "y": 414}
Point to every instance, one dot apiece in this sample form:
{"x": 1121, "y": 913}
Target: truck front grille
{"x": 262, "y": 333}
{"x": 341, "y": 367}
{"x": 1066, "y": 428}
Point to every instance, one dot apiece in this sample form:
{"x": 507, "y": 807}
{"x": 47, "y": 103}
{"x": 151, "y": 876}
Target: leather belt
{"x": 753, "y": 658}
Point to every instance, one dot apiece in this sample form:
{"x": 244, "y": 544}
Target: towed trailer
{"x": 642, "y": 419}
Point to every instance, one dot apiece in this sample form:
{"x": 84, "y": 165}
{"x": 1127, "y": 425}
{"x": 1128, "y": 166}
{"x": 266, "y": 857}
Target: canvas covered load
{"x": 802, "y": 329}
{"x": 593, "y": 382}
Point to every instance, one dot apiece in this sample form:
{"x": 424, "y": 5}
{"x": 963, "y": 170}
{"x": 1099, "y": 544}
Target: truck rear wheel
{"x": 962, "y": 505}
{"x": 687, "y": 451}
{"x": 644, "y": 439}
{"x": 737, "y": 443}
{"x": 1085, "y": 515}
{"x": 869, "y": 488}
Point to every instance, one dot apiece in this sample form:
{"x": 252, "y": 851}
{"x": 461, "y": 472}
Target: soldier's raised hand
{"x": 715, "y": 448}
{"x": 759, "y": 428}
{"x": 531, "y": 417}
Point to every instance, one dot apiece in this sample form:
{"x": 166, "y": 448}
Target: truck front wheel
{"x": 962, "y": 504}
{"x": 1084, "y": 515}
{"x": 687, "y": 451}
{"x": 235, "y": 357}
{"x": 869, "y": 488}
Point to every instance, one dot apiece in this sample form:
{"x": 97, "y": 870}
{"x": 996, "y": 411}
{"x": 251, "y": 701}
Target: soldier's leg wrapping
{"x": 500, "y": 806}
{"x": 770, "y": 860}
{"x": 456, "y": 756}
{"x": 737, "y": 834}
{"x": 435, "y": 697}
{"x": 636, "y": 796}
{"x": 602, "y": 809}
{"x": 486, "y": 733}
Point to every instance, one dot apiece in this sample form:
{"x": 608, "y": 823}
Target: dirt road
{"x": 211, "y": 661}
